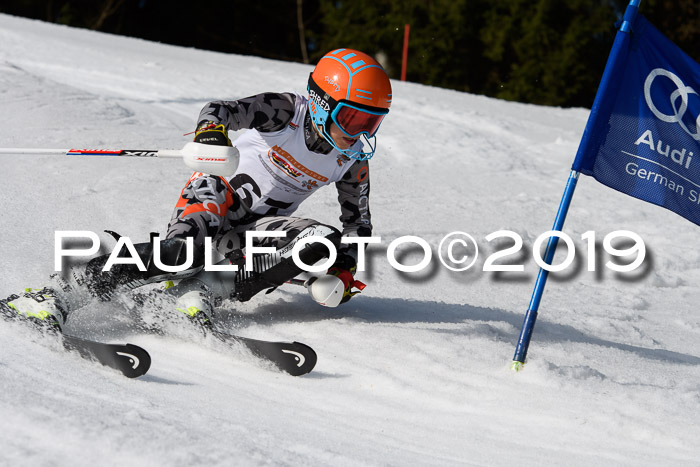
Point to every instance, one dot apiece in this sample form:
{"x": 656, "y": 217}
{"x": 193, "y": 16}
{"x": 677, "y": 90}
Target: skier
{"x": 293, "y": 146}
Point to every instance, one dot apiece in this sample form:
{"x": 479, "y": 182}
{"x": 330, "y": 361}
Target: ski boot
{"x": 194, "y": 300}
{"x": 40, "y": 306}
{"x": 103, "y": 284}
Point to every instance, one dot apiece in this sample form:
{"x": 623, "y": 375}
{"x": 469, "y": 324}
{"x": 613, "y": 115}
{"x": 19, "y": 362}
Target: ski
{"x": 294, "y": 358}
{"x": 132, "y": 360}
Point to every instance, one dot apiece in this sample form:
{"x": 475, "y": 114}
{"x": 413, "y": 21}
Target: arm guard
{"x": 265, "y": 112}
{"x": 353, "y": 196}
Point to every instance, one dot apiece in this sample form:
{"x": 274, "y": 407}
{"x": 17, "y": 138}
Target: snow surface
{"x": 415, "y": 371}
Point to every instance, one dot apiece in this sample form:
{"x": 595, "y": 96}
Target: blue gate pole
{"x": 531, "y": 315}
{"x": 601, "y": 98}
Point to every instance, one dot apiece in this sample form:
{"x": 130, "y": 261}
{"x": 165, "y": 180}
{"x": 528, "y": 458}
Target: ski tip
{"x": 301, "y": 359}
{"x": 293, "y": 358}
{"x": 131, "y": 360}
{"x": 517, "y": 366}
{"x": 134, "y": 361}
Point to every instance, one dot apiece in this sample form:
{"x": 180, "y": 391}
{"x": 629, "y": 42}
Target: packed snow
{"x": 415, "y": 370}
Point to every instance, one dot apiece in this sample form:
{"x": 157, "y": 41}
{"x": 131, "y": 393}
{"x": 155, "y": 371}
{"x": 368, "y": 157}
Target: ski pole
{"x": 300, "y": 282}
{"x": 93, "y": 152}
{"x": 205, "y": 158}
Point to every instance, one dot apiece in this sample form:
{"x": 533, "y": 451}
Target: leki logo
{"x": 678, "y": 99}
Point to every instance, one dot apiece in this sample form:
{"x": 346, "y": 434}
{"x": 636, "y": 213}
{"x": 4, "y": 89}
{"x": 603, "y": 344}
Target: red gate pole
{"x": 404, "y": 62}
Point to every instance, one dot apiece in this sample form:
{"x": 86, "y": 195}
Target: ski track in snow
{"x": 412, "y": 372}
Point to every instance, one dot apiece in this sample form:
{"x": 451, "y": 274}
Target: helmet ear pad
{"x": 321, "y": 106}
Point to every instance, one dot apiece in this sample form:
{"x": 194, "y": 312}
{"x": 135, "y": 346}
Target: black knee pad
{"x": 317, "y": 251}
{"x": 267, "y": 275}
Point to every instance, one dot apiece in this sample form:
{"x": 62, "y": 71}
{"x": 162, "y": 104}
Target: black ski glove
{"x": 212, "y": 133}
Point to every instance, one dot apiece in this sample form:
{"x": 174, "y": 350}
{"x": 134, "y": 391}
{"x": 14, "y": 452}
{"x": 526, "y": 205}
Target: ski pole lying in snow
{"x": 207, "y": 158}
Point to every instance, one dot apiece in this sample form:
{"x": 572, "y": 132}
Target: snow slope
{"x": 412, "y": 372}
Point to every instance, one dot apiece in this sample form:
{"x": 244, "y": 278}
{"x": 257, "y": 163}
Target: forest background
{"x": 548, "y": 52}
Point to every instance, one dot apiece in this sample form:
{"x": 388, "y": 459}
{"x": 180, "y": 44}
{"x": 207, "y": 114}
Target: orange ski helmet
{"x": 352, "y": 90}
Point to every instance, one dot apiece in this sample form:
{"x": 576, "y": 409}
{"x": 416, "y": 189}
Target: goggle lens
{"x": 354, "y": 121}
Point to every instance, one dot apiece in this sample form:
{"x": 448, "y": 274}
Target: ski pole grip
{"x": 210, "y": 159}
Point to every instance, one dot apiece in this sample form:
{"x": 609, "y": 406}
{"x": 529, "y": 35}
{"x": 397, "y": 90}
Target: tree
{"x": 444, "y": 49}
{"x": 548, "y": 51}
{"x": 679, "y": 20}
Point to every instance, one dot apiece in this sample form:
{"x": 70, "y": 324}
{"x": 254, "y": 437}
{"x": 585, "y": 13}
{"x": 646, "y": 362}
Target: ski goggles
{"x": 354, "y": 120}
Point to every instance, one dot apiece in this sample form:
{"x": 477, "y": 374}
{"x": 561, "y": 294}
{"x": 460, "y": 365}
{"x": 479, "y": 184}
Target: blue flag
{"x": 643, "y": 136}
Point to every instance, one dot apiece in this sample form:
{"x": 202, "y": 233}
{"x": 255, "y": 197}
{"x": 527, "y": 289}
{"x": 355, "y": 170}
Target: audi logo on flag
{"x": 681, "y": 94}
